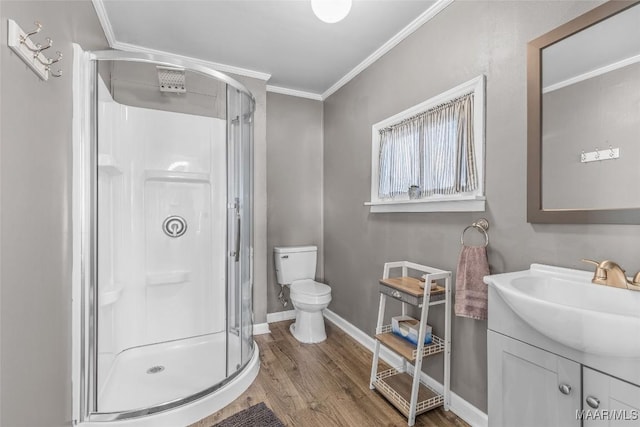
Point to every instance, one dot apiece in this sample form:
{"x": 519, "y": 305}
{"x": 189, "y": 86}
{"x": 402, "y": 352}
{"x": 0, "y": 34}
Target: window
{"x": 431, "y": 156}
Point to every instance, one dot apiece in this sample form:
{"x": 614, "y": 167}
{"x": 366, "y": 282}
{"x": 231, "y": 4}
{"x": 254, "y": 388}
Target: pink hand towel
{"x": 471, "y": 291}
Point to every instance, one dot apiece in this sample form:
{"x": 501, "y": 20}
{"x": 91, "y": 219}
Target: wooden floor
{"x": 324, "y": 384}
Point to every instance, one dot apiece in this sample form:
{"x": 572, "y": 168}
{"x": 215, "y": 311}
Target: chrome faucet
{"x": 609, "y": 273}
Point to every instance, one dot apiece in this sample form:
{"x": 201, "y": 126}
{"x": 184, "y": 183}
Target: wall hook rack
{"x": 31, "y": 52}
{"x": 600, "y": 155}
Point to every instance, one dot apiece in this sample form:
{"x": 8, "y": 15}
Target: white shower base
{"x": 188, "y": 364}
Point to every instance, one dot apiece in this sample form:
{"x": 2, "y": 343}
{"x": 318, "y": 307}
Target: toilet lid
{"x": 310, "y": 287}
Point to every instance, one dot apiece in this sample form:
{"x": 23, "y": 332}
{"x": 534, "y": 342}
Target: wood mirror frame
{"x": 535, "y": 211}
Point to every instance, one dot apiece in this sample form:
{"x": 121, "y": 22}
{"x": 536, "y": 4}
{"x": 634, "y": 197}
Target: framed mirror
{"x": 583, "y": 92}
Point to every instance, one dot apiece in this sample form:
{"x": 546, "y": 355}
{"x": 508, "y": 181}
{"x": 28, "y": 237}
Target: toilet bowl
{"x": 309, "y": 298}
{"x": 296, "y": 268}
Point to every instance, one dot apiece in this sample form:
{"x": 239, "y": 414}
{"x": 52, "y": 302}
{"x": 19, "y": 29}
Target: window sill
{"x": 458, "y": 204}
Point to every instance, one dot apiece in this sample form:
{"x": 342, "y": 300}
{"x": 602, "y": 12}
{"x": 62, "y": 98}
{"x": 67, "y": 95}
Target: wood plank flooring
{"x": 322, "y": 385}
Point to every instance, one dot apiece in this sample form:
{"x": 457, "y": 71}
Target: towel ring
{"x": 481, "y": 225}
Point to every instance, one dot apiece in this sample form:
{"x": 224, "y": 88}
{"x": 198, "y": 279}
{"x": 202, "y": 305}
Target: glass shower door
{"x": 246, "y": 241}
{"x": 240, "y": 230}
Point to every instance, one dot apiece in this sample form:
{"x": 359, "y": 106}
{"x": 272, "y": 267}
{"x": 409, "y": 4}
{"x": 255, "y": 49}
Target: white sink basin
{"x": 565, "y": 306}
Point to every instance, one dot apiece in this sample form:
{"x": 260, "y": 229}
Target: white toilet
{"x": 296, "y": 268}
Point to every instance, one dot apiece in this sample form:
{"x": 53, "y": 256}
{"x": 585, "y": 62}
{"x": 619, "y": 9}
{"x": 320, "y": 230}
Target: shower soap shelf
{"x": 402, "y": 386}
{"x": 107, "y": 165}
{"x": 110, "y": 296}
{"x": 168, "y": 278}
{"x": 176, "y": 176}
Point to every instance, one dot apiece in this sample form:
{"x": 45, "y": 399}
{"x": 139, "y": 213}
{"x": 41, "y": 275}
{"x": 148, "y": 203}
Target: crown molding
{"x": 98, "y": 5}
{"x": 426, "y": 16}
{"x": 591, "y": 74}
{"x": 294, "y": 92}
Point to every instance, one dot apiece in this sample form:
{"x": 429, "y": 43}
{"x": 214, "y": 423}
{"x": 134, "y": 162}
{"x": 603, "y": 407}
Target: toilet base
{"x": 308, "y": 327}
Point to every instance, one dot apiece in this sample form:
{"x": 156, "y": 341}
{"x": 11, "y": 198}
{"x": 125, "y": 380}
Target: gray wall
{"x": 598, "y": 112}
{"x": 463, "y": 41}
{"x": 35, "y": 177}
{"x": 294, "y": 181}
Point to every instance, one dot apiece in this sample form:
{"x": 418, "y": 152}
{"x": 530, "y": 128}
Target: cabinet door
{"x": 609, "y": 401}
{"x": 530, "y": 387}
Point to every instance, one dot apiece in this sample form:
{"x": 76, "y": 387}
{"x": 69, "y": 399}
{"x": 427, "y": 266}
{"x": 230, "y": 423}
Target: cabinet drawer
{"x": 402, "y": 296}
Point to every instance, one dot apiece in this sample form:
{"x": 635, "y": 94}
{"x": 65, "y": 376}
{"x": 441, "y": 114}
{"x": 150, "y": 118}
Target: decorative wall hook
{"x": 50, "y": 61}
{"x": 31, "y": 52}
{"x": 25, "y": 36}
{"x": 47, "y": 46}
{"x": 54, "y": 73}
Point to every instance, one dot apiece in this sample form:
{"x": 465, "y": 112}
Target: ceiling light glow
{"x": 331, "y": 11}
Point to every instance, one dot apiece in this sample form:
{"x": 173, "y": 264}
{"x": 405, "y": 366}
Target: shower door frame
{"x": 84, "y": 236}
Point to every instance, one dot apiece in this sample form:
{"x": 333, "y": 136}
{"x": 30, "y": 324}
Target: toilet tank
{"x": 295, "y": 263}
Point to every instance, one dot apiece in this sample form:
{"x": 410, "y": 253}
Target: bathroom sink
{"x": 565, "y": 306}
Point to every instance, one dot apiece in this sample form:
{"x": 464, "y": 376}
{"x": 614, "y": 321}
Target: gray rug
{"x": 255, "y": 416}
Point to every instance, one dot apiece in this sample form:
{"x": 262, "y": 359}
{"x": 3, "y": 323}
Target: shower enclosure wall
{"x": 162, "y": 239}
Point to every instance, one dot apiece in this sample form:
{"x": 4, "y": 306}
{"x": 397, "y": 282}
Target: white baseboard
{"x": 465, "y": 410}
{"x": 261, "y": 329}
{"x": 385, "y": 354}
{"x": 279, "y": 316}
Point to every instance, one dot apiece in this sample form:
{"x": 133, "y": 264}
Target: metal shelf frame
{"x": 423, "y": 302}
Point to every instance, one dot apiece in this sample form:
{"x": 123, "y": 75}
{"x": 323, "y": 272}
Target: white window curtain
{"x": 432, "y": 150}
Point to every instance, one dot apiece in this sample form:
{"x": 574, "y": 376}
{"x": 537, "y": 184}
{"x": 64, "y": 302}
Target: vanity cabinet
{"x": 530, "y": 387}
{"x": 619, "y": 400}
{"x": 534, "y": 387}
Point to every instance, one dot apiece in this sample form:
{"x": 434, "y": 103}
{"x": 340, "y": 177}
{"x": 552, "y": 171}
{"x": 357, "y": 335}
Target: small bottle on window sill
{"x": 414, "y": 192}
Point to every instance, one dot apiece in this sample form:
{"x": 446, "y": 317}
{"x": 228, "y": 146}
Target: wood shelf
{"x": 408, "y": 350}
{"x": 411, "y": 286}
{"x": 396, "y": 387}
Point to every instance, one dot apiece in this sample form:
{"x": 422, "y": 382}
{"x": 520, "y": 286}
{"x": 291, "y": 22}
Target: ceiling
{"x": 281, "y": 41}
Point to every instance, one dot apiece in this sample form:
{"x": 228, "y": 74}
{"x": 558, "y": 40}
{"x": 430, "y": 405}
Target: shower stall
{"x": 162, "y": 220}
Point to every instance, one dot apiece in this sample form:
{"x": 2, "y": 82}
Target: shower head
{"x": 171, "y": 79}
